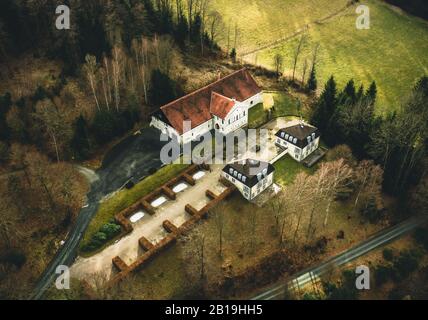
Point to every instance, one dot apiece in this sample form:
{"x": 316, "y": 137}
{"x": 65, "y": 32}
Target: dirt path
{"x": 298, "y": 32}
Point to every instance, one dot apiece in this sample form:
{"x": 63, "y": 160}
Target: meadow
{"x": 393, "y": 52}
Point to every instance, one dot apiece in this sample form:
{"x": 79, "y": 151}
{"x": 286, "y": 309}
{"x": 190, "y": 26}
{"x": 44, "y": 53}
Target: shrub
{"x": 342, "y": 151}
{"x": 310, "y": 296}
{"x": 388, "y": 254}
{"x": 383, "y": 274}
{"x": 421, "y": 236}
{"x": 371, "y": 211}
{"x": 110, "y": 230}
{"x": 106, "y": 232}
{"x": 406, "y": 263}
{"x": 14, "y": 257}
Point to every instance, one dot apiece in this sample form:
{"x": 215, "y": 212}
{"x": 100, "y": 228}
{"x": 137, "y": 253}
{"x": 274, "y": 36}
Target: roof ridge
{"x": 203, "y": 88}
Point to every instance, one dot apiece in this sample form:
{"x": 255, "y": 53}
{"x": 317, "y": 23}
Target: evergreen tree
{"x": 348, "y": 95}
{"x": 181, "y": 31}
{"x": 312, "y": 82}
{"x": 325, "y": 107}
{"x": 233, "y": 54}
{"x": 163, "y": 89}
{"x": 80, "y": 141}
{"x": 196, "y": 29}
{"x": 5, "y": 104}
{"x": 371, "y": 93}
{"x": 360, "y": 93}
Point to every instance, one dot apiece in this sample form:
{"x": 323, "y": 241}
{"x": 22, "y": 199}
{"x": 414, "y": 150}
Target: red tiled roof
{"x": 195, "y": 106}
{"x": 220, "y": 105}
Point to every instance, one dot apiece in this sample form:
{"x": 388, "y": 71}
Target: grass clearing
{"x": 287, "y": 168}
{"x": 125, "y": 198}
{"x": 392, "y": 52}
{"x": 284, "y": 105}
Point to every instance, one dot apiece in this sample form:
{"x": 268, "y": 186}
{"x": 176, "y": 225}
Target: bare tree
{"x": 116, "y": 74}
{"x": 91, "y": 69}
{"x": 297, "y": 53}
{"x": 54, "y": 123}
{"x": 216, "y": 23}
{"x": 304, "y": 69}
{"x": 278, "y": 62}
{"x": 193, "y": 250}
{"x": 218, "y": 214}
{"x": 338, "y": 177}
{"x": 314, "y": 56}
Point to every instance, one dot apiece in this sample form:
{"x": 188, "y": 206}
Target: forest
{"x": 66, "y": 97}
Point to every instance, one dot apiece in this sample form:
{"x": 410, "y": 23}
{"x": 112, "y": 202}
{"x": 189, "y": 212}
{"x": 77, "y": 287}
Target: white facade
{"x": 296, "y": 152}
{"x": 247, "y": 192}
{"x": 236, "y": 118}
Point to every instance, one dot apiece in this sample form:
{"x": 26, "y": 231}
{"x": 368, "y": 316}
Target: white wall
{"x": 295, "y": 152}
{"x": 197, "y": 131}
{"x": 248, "y": 193}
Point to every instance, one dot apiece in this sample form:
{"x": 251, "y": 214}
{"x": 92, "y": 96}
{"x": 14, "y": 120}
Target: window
{"x": 264, "y": 172}
{"x": 251, "y": 102}
{"x": 309, "y": 139}
{"x": 278, "y": 140}
{"x": 313, "y": 136}
{"x": 259, "y": 176}
{"x": 244, "y": 113}
{"x": 295, "y": 140}
{"x": 244, "y": 178}
{"x": 233, "y": 180}
{"x": 282, "y": 134}
{"x": 246, "y": 189}
{"x": 286, "y": 136}
{"x": 230, "y": 171}
{"x": 235, "y": 173}
{"x": 239, "y": 176}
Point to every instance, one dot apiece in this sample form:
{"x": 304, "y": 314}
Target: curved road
{"x": 377, "y": 240}
{"x": 131, "y": 159}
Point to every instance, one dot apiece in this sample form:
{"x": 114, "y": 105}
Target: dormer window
{"x": 239, "y": 176}
{"x": 286, "y": 136}
{"x": 259, "y": 176}
{"x": 264, "y": 172}
{"x": 230, "y": 171}
{"x": 282, "y": 134}
{"x": 290, "y": 138}
{"x": 309, "y": 139}
{"x": 295, "y": 140}
{"x": 244, "y": 178}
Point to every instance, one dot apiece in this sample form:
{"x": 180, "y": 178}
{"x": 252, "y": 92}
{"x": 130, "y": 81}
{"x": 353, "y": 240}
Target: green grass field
{"x": 393, "y": 52}
{"x": 284, "y": 105}
{"x": 287, "y": 168}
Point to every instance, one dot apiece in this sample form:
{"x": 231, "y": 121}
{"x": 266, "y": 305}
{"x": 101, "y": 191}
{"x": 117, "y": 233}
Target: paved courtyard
{"x": 150, "y": 227}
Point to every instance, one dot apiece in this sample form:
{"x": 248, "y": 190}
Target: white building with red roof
{"x": 222, "y": 106}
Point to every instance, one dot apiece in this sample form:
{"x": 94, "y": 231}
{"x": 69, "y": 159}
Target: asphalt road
{"x": 132, "y": 159}
{"x": 379, "y": 239}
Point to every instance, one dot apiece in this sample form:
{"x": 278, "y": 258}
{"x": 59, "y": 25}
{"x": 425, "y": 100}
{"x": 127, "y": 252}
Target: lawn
{"x": 392, "y": 52}
{"x": 287, "y": 168}
{"x": 284, "y": 105}
{"x": 125, "y": 198}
